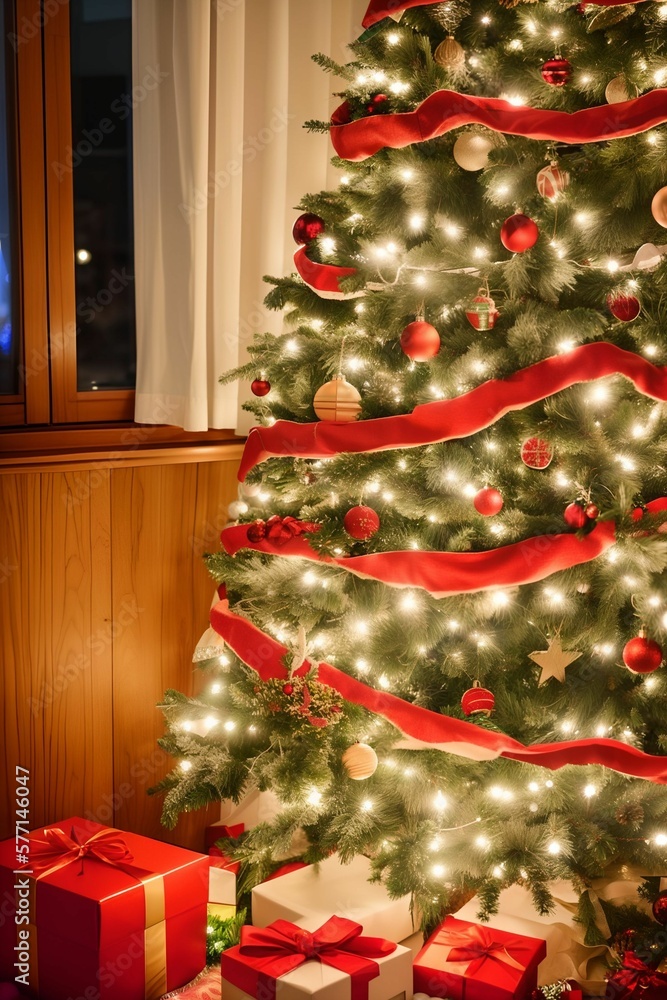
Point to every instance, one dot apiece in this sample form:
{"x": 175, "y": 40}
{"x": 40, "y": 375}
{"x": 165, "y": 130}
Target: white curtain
{"x": 220, "y": 161}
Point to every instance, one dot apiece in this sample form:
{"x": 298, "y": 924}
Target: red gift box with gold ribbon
{"x": 98, "y": 914}
{"x": 465, "y": 961}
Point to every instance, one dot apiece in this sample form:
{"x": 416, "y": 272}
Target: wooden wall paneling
{"x": 163, "y": 519}
{"x": 56, "y": 638}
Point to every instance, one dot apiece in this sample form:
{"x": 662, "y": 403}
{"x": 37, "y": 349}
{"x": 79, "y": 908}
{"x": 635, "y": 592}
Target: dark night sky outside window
{"x": 8, "y": 328}
{"x": 101, "y": 166}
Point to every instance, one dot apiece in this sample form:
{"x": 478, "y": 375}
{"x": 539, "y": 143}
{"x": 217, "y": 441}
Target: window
{"x": 101, "y": 169}
{"x": 67, "y": 317}
{"x": 67, "y": 331}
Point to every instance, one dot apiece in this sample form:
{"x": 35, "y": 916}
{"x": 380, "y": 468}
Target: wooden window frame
{"x": 50, "y": 416}
{"x": 69, "y": 405}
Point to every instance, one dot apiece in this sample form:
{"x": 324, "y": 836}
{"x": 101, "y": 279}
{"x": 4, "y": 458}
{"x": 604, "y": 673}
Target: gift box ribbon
{"x": 283, "y": 947}
{"x": 475, "y": 946}
{"x": 58, "y": 849}
{"x": 636, "y": 978}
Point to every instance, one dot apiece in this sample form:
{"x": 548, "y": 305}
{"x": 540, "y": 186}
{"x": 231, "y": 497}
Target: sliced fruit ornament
{"x": 537, "y": 453}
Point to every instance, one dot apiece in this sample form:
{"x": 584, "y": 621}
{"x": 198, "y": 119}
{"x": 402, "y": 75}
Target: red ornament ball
{"x": 642, "y": 655}
{"x": 420, "y": 341}
{"x": 488, "y": 501}
{"x": 477, "y": 699}
{"x": 482, "y": 313}
{"x": 519, "y": 233}
{"x": 257, "y": 531}
{"x": 660, "y": 908}
{"x": 307, "y": 228}
{"x": 624, "y": 307}
{"x": 551, "y": 181}
{"x": 260, "y": 387}
{"x": 361, "y": 522}
{"x": 575, "y": 515}
{"x": 592, "y": 511}
{"x": 536, "y": 453}
{"x": 376, "y": 104}
{"x": 556, "y": 72}
{"x": 288, "y": 689}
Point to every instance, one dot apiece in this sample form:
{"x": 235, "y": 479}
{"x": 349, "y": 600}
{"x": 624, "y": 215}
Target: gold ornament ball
{"x": 659, "y": 207}
{"x": 360, "y": 761}
{"x": 337, "y": 400}
{"x": 449, "y": 54}
{"x": 617, "y": 90}
{"x": 471, "y": 150}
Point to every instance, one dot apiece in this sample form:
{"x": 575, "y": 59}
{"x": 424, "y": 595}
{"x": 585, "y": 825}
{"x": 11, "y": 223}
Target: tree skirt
{"x": 206, "y": 986}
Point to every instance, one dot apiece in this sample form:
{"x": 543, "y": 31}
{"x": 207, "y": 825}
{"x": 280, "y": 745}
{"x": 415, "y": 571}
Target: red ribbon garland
{"x": 282, "y": 947}
{"x": 323, "y": 278}
{"x": 449, "y": 419}
{"x": 446, "y": 110}
{"x": 58, "y": 850}
{"x": 639, "y": 980}
{"x": 379, "y": 9}
{"x": 444, "y": 574}
{"x": 431, "y": 729}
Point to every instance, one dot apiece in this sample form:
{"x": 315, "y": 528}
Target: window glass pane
{"x": 8, "y": 328}
{"x": 101, "y": 166}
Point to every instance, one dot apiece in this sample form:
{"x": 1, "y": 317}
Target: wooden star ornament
{"x": 553, "y": 661}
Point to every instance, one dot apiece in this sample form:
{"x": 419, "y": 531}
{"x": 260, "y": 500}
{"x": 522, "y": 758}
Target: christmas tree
{"x": 441, "y": 600}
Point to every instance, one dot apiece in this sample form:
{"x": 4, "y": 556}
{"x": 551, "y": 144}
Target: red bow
{"x": 58, "y": 850}
{"x": 477, "y": 946}
{"x": 280, "y": 529}
{"x": 283, "y": 947}
{"x": 636, "y": 977}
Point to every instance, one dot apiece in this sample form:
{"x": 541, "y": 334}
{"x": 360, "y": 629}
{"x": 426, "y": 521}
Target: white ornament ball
{"x": 337, "y": 400}
{"x": 617, "y": 90}
{"x": 471, "y": 150}
{"x": 237, "y": 508}
{"x": 360, "y": 761}
{"x": 250, "y": 489}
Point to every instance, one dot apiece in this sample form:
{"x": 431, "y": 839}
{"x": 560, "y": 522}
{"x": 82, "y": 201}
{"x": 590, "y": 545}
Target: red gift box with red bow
{"x": 335, "y": 960}
{"x": 465, "y": 961}
{"x": 636, "y": 981}
{"x": 99, "y": 914}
